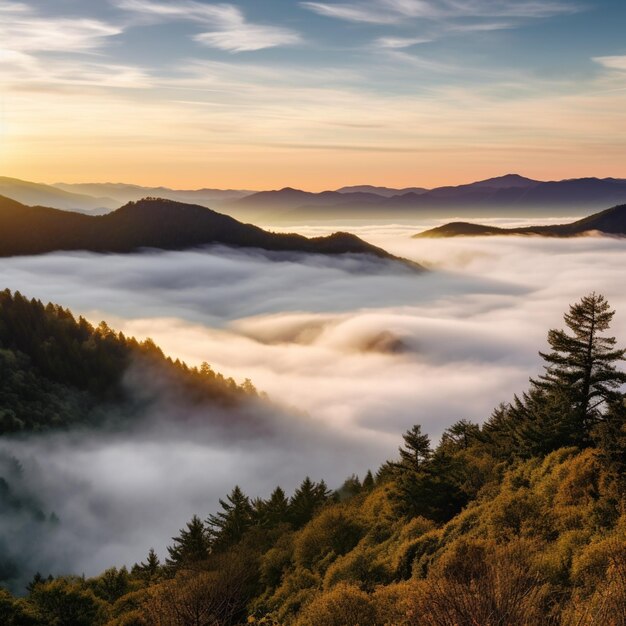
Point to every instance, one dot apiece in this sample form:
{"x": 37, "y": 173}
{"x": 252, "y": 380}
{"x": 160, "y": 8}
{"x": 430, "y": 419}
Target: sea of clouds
{"x": 355, "y": 350}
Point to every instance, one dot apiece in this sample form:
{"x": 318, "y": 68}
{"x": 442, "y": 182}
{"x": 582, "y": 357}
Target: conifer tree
{"x": 306, "y": 500}
{"x": 269, "y": 513}
{"x": 581, "y": 379}
{"x": 416, "y": 450}
{"x": 191, "y": 546}
{"x": 460, "y": 435}
{"x": 227, "y": 527}
{"x": 152, "y": 566}
{"x": 583, "y": 362}
{"x": 368, "y": 481}
{"x": 351, "y": 487}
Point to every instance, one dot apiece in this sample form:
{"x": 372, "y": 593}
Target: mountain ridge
{"x": 507, "y": 195}
{"x": 608, "y": 222}
{"x": 156, "y": 223}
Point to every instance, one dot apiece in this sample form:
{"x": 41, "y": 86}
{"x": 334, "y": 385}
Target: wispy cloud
{"x": 27, "y": 36}
{"x": 23, "y": 29}
{"x": 369, "y": 13}
{"x": 612, "y": 62}
{"x": 400, "y": 42}
{"x": 396, "y": 11}
{"x": 230, "y": 29}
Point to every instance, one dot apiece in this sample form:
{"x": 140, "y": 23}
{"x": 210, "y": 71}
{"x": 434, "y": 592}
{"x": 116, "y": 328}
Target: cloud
{"x": 612, "y": 62}
{"x": 27, "y": 37}
{"x": 247, "y": 37}
{"x": 400, "y": 42}
{"x": 24, "y": 30}
{"x": 352, "y": 12}
{"x": 360, "y": 352}
{"x": 232, "y": 32}
{"x": 396, "y": 11}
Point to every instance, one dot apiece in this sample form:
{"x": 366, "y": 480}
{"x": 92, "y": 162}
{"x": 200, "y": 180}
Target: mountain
{"x": 385, "y": 192}
{"x": 49, "y": 195}
{"x": 609, "y": 222}
{"x": 290, "y": 197}
{"x": 507, "y": 195}
{"x": 153, "y": 223}
{"x": 123, "y": 193}
{"x": 507, "y": 181}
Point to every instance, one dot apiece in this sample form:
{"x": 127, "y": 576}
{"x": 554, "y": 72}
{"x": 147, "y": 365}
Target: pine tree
{"x": 368, "y": 481}
{"x": 582, "y": 365}
{"x": 191, "y": 546}
{"x": 460, "y": 435}
{"x": 351, "y": 487}
{"x": 269, "y": 513}
{"x": 610, "y": 439}
{"x": 306, "y": 500}
{"x": 227, "y": 527}
{"x": 151, "y": 568}
{"x": 416, "y": 450}
{"x": 541, "y": 421}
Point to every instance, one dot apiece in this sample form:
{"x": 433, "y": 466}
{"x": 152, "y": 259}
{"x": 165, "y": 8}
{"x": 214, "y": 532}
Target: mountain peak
{"x": 506, "y": 181}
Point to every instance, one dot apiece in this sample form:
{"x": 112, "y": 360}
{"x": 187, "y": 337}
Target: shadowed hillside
{"x": 153, "y": 223}
{"x": 609, "y": 222}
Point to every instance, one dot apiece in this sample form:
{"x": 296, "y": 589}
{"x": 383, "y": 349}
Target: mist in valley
{"x": 352, "y": 351}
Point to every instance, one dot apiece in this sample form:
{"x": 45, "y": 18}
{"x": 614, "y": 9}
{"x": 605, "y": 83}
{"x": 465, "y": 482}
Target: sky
{"x": 262, "y": 94}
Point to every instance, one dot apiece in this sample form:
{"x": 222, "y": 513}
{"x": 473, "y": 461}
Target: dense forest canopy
{"x": 518, "y": 521}
{"x": 59, "y": 371}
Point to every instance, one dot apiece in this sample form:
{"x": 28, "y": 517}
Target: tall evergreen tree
{"x": 191, "y": 546}
{"x": 151, "y": 568}
{"x": 269, "y": 513}
{"x": 416, "y": 450}
{"x": 307, "y": 498}
{"x": 584, "y": 361}
{"x": 368, "y": 481}
{"x": 581, "y": 377}
{"x": 227, "y": 527}
{"x": 460, "y": 435}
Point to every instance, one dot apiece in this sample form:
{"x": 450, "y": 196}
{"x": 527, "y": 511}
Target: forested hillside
{"x": 58, "y": 371}
{"x": 519, "y": 521}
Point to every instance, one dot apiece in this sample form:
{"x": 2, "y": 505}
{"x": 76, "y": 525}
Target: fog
{"x": 355, "y": 350}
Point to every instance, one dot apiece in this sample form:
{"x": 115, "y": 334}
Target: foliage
{"x": 58, "y": 371}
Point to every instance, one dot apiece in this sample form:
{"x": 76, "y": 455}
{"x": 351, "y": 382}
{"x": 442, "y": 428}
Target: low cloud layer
{"x": 356, "y": 353}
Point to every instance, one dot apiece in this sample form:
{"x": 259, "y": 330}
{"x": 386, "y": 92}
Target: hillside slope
{"x": 609, "y": 222}
{"x": 153, "y": 223}
{"x": 57, "y": 371}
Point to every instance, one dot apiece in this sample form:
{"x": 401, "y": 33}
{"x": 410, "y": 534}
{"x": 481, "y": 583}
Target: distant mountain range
{"x": 503, "y": 196}
{"x": 120, "y": 193}
{"x": 385, "y": 192}
{"x": 49, "y": 195}
{"x": 609, "y": 222}
{"x": 154, "y": 223}
{"x": 507, "y": 195}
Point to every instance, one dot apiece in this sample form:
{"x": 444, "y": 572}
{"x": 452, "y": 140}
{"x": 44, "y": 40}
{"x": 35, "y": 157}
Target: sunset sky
{"x": 261, "y": 94}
